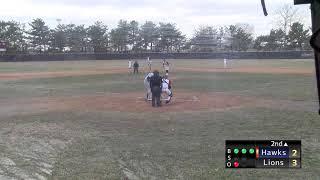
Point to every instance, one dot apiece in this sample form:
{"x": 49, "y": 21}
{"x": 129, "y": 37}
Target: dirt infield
{"x": 268, "y": 70}
{"x": 32, "y": 75}
{"x": 128, "y": 102}
{"x": 99, "y": 71}
{"x": 135, "y": 102}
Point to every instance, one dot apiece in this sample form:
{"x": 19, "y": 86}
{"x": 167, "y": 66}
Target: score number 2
{"x": 294, "y": 153}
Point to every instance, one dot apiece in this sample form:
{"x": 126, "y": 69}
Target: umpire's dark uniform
{"x": 135, "y": 67}
{"x": 156, "y": 87}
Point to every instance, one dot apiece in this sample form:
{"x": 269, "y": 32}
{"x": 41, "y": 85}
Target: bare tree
{"x": 286, "y": 15}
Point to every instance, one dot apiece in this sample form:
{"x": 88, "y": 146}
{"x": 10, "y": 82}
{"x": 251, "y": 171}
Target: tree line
{"x": 130, "y": 36}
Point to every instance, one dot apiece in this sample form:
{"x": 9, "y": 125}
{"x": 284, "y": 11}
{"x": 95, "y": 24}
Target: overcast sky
{"x": 187, "y": 14}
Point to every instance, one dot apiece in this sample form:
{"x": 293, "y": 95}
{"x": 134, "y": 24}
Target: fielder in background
{"x": 149, "y": 62}
{"x": 166, "y": 87}
{"x": 136, "y": 67}
{"x": 166, "y": 67}
{"x": 156, "y": 88}
{"x": 163, "y": 62}
{"x": 130, "y": 65}
{"x": 147, "y": 86}
{"x": 225, "y": 63}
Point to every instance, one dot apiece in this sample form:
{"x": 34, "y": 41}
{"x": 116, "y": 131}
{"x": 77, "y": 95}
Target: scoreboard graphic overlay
{"x": 263, "y": 154}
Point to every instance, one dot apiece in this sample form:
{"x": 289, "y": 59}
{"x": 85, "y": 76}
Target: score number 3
{"x": 294, "y": 163}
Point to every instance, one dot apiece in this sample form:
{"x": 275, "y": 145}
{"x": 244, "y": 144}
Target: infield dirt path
{"x": 126, "y": 102}
{"x": 32, "y": 75}
{"x": 267, "y": 70}
{"x": 135, "y": 102}
{"x": 98, "y": 71}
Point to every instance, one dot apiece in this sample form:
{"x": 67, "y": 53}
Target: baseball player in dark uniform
{"x": 156, "y": 88}
{"x": 136, "y": 67}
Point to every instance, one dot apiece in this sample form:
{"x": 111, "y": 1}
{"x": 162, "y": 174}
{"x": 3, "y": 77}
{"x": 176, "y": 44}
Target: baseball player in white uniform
{"x": 149, "y": 62}
{"x": 166, "y": 87}
{"x": 166, "y": 67}
{"x": 147, "y": 86}
{"x": 130, "y": 64}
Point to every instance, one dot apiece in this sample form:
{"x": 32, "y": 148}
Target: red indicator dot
{"x": 236, "y": 164}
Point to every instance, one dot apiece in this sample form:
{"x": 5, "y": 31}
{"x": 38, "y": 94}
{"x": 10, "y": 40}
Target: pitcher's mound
{"x": 182, "y": 101}
{"x": 129, "y": 102}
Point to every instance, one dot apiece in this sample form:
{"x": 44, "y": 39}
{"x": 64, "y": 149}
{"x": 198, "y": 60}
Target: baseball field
{"x": 89, "y": 119}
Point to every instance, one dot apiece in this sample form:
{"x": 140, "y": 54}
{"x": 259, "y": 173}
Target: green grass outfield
{"x": 53, "y": 143}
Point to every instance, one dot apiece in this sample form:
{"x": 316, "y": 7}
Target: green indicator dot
{"x": 251, "y": 151}
{"x": 244, "y": 151}
{"x": 236, "y": 151}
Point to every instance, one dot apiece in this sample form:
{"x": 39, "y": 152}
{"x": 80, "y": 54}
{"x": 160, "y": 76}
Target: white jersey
{"x": 165, "y": 83}
{"x": 149, "y": 75}
{"x": 166, "y": 67}
{"x": 165, "y": 89}
{"x": 149, "y": 61}
{"x": 130, "y": 64}
{"x": 147, "y": 85}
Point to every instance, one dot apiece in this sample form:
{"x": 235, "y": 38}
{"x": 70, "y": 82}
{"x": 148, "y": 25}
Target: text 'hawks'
{"x": 278, "y": 152}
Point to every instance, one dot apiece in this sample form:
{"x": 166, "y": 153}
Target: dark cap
{"x": 156, "y": 72}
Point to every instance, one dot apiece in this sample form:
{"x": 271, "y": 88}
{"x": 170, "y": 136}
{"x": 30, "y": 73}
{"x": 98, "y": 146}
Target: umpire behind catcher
{"x": 156, "y": 88}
